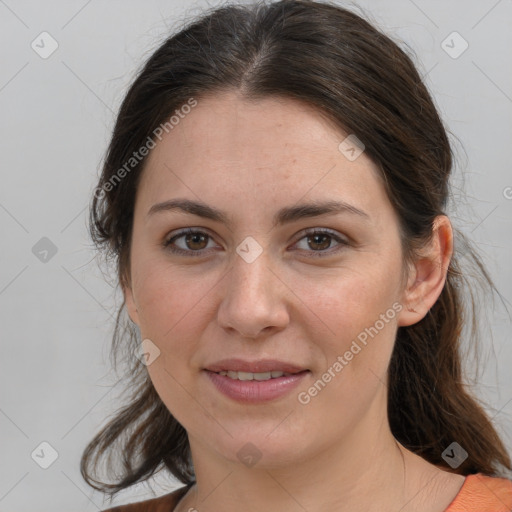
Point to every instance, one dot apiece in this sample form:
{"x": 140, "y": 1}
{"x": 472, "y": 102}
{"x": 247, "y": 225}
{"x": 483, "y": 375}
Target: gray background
{"x": 56, "y": 117}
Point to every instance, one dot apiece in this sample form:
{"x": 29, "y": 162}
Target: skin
{"x": 336, "y": 452}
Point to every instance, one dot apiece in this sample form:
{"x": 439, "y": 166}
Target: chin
{"x": 261, "y": 448}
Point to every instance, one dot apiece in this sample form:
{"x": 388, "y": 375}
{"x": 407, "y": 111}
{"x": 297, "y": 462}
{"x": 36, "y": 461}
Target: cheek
{"x": 352, "y": 327}
{"x": 173, "y": 314}
{"x": 345, "y": 304}
{"x": 354, "y": 353}
{"x": 168, "y": 298}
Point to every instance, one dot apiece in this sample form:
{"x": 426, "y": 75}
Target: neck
{"x": 365, "y": 471}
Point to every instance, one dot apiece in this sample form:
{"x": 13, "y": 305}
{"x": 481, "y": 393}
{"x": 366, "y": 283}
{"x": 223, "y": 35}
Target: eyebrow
{"x": 285, "y": 215}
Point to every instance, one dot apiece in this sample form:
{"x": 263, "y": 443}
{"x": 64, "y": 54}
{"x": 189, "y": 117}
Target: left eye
{"x": 321, "y": 240}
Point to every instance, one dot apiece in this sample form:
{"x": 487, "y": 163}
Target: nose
{"x": 253, "y": 299}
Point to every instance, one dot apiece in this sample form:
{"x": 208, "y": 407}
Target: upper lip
{"x": 260, "y": 366}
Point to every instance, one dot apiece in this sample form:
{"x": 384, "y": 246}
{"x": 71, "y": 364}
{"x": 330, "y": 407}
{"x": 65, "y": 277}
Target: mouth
{"x": 275, "y": 374}
{"x": 256, "y": 381}
{"x": 262, "y": 369}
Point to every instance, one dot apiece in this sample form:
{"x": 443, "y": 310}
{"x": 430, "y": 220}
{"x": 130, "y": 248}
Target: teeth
{"x": 254, "y": 376}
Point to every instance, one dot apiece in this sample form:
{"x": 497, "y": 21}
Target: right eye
{"x": 193, "y": 242}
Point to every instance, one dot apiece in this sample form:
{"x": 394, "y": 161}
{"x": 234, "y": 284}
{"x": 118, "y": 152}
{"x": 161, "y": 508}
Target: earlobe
{"x": 428, "y": 276}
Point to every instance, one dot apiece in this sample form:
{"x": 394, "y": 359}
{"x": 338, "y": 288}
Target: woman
{"x": 274, "y": 197}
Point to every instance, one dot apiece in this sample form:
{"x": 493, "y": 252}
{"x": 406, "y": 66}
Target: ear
{"x": 428, "y": 274}
{"x": 130, "y": 303}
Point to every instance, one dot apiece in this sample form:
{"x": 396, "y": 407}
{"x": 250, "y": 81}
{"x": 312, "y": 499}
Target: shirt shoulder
{"x": 481, "y": 493}
{"x": 165, "y": 503}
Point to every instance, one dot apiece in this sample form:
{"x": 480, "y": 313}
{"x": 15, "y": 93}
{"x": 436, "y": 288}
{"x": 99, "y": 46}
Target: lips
{"x": 255, "y": 381}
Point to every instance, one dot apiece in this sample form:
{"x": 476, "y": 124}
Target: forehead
{"x": 229, "y": 127}
{"x": 273, "y": 148}
{"x": 230, "y": 114}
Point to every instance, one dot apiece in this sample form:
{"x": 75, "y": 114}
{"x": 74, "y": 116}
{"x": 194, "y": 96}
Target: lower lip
{"x": 255, "y": 391}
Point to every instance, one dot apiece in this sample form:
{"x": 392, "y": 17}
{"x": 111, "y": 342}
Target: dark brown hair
{"x": 357, "y": 77}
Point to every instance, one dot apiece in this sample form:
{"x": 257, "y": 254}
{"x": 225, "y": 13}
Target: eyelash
{"x": 307, "y": 233}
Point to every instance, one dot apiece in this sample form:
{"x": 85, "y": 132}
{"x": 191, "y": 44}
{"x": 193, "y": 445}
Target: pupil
{"x": 192, "y": 239}
{"x": 324, "y": 237}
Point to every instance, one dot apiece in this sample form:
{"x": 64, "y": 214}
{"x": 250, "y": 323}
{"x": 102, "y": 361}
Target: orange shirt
{"x": 479, "y": 493}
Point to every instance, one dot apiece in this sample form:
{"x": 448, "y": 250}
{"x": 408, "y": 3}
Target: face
{"x": 314, "y": 295}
